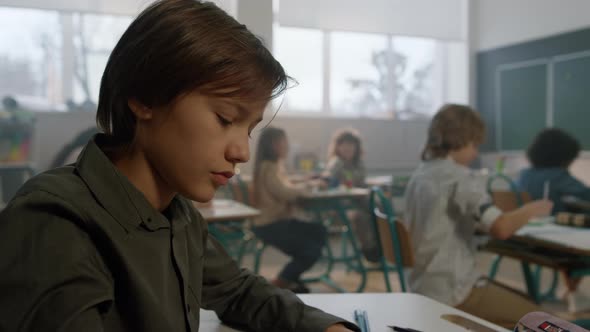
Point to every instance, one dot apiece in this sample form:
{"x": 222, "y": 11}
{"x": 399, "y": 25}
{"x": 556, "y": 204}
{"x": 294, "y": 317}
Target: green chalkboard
{"x": 522, "y": 100}
{"x": 555, "y": 49}
{"x": 571, "y": 106}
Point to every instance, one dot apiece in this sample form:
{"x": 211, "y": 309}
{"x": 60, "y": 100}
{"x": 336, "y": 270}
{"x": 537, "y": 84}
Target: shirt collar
{"x": 118, "y": 195}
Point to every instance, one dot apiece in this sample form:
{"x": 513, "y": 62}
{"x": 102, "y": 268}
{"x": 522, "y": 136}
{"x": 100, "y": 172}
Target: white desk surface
{"x": 400, "y": 309}
{"x": 227, "y": 209}
{"x": 336, "y": 193}
{"x": 573, "y": 238}
{"x": 380, "y": 180}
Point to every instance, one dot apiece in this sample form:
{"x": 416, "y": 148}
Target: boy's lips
{"x": 221, "y": 178}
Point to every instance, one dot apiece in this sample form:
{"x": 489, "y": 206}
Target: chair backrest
{"x": 393, "y": 237}
{"x": 509, "y": 197}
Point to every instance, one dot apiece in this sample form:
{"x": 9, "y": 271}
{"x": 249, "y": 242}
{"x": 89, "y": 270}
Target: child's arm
{"x": 471, "y": 197}
{"x": 509, "y": 222}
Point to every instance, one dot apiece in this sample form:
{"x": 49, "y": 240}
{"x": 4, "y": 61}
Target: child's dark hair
{"x": 553, "y": 147}
{"x": 266, "y": 150}
{"x": 347, "y": 135}
{"x": 175, "y": 47}
{"x": 453, "y": 127}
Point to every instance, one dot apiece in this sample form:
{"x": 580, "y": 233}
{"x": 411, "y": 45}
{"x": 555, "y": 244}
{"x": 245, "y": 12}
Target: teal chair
{"x": 392, "y": 237}
{"x": 236, "y": 236}
{"x": 509, "y": 198}
{"x": 513, "y": 188}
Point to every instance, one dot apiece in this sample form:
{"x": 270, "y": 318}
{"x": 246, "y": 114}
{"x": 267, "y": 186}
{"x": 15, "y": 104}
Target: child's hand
{"x": 540, "y": 208}
{"x": 337, "y": 328}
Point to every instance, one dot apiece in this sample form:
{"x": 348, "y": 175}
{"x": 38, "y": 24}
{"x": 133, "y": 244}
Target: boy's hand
{"x": 337, "y": 328}
{"x": 540, "y": 208}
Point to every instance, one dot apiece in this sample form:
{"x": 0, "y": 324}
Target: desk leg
{"x": 550, "y": 294}
{"x": 325, "y": 277}
{"x": 357, "y": 254}
{"x": 531, "y": 282}
{"x": 348, "y": 260}
{"x": 494, "y": 267}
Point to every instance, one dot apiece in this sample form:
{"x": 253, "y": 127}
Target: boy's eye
{"x": 223, "y": 121}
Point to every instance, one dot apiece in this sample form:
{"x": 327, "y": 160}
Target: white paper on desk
{"x": 573, "y": 237}
{"x": 222, "y": 203}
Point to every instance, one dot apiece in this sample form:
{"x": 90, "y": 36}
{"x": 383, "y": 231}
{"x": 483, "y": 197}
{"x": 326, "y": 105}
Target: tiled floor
{"x": 509, "y": 273}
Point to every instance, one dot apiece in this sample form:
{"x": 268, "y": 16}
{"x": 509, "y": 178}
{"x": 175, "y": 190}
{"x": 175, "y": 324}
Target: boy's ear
{"x": 140, "y": 111}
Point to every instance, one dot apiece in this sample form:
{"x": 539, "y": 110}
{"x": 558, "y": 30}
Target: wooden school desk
{"x": 400, "y": 309}
{"x": 338, "y": 201}
{"x": 229, "y": 223}
{"x": 560, "y": 247}
{"x": 227, "y": 210}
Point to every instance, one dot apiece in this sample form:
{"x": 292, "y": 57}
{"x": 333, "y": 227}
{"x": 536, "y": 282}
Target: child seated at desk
{"x": 444, "y": 202}
{"x": 281, "y": 224}
{"x": 551, "y": 154}
{"x": 345, "y": 163}
{"x": 112, "y": 243}
{"x": 345, "y": 166}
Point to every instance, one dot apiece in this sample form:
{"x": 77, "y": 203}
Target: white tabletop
{"x": 400, "y": 309}
{"x": 227, "y": 209}
{"x": 573, "y": 238}
{"x": 336, "y": 193}
{"x": 380, "y": 180}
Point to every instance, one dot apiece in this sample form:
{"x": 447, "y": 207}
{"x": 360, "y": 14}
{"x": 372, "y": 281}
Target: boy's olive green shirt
{"x": 82, "y": 249}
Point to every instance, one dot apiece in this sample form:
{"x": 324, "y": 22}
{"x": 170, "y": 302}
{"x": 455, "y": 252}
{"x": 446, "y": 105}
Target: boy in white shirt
{"x": 444, "y": 202}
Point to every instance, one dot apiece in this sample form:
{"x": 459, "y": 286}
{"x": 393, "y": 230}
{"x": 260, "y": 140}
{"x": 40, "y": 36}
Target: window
{"x": 417, "y": 87}
{"x": 30, "y": 55}
{"x": 361, "y": 74}
{"x": 49, "y": 58}
{"x": 358, "y": 73}
{"x": 300, "y": 51}
{"x": 96, "y": 36}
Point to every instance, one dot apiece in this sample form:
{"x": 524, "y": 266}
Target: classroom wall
{"x": 503, "y": 22}
{"x": 391, "y": 146}
{"x": 53, "y": 130}
{"x": 426, "y": 18}
{"x": 117, "y": 7}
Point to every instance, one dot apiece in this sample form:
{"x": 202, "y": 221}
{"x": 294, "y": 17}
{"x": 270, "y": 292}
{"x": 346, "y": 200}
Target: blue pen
{"x": 362, "y": 320}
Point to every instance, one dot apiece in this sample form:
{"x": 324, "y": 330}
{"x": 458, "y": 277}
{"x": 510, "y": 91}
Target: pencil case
{"x": 573, "y": 219}
{"x": 544, "y": 322}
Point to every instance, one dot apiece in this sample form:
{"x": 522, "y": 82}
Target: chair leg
{"x": 549, "y": 295}
{"x": 385, "y": 270}
{"x": 402, "y": 278}
{"x": 257, "y": 256}
{"x": 494, "y": 267}
{"x": 242, "y": 251}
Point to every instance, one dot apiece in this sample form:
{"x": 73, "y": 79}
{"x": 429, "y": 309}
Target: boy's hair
{"x": 347, "y": 135}
{"x": 453, "y": 127}
{"x": 265, "y": 150}
{"x": 553, "y": 147}
{"x": 175, "y": 47}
